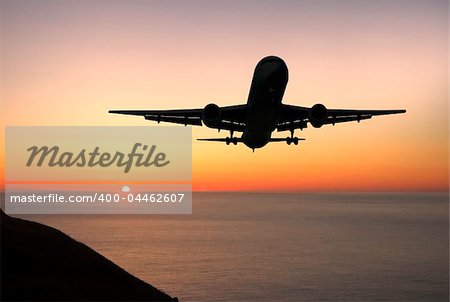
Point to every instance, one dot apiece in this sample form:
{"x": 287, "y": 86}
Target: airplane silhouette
{"x": 263, "y": 113}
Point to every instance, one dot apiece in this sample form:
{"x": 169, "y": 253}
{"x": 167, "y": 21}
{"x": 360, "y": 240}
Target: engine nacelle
{"x": 211, "y": 115}
{"x": 318, "y": 114}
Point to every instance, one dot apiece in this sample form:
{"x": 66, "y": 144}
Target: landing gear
{"x": 290, "y": 140}
{"x": 231, "y": 140}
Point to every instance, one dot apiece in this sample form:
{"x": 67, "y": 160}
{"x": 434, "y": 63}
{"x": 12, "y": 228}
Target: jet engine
{"x": 211, "y": 115}
{"x": 318, "y": 114}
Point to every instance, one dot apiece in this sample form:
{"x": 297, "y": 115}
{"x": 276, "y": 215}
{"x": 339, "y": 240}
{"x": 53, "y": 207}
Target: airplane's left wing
{"x": 297, "y": 117}
{"x": 185, "y": 117}
{"x": 213, "y": 116}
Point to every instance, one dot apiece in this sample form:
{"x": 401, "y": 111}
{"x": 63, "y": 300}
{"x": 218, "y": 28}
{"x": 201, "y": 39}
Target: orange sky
{"x": 68, "y": 62}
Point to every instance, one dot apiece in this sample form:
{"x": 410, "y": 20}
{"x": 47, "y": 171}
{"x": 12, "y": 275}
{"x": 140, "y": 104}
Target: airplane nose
{"x": 272, "y": 59}
{"x": 272, "y": 67}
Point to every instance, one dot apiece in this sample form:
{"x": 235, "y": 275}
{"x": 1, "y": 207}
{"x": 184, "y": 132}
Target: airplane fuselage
{"x": 264, "y": 101}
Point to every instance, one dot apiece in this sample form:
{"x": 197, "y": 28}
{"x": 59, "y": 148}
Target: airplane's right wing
{"x": 227, "y": 118}
{"x": 297, "y": 117}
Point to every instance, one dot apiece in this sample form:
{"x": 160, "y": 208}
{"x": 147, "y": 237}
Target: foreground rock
{"x": 41, "y": 263}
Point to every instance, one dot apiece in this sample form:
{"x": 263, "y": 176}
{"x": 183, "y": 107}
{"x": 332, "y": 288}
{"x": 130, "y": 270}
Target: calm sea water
{"x": 282, "y": 247}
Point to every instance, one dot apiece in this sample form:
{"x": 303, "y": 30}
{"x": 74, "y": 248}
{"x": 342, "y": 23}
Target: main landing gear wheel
{"x": 290, "y": 140}
{"x": 231, "y": 140}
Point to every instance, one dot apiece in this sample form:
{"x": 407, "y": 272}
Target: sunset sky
{"x": 69, "y": 62}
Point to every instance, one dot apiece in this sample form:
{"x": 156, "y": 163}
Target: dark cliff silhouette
{"x": 41, "y": 263}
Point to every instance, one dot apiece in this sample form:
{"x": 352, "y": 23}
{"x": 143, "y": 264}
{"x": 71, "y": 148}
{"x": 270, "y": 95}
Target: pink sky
{"x": 68, "y": 62}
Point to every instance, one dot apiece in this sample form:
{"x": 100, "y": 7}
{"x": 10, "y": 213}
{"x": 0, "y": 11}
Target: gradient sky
{"x": 68, "y": 62}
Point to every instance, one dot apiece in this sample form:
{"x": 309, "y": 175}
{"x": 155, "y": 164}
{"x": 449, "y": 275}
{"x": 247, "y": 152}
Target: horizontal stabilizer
{"x": 280, "y": 139}
{"x": 235, "y": 140}
{"x": 287, "y": 140}
{"x": 227, "y": 140}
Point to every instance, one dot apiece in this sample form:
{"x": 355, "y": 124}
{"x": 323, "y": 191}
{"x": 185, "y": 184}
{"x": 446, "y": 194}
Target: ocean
{"x": 282, "y": 247}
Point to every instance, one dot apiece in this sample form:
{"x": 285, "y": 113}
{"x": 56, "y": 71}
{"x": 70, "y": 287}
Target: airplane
{"x": 263, "y": 113}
